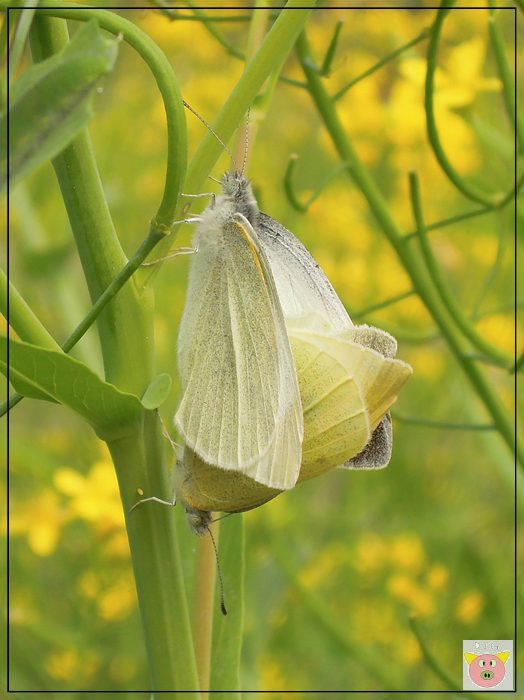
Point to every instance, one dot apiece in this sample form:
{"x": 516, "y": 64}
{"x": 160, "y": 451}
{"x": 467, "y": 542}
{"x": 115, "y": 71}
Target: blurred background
{"x": 340, "y": 563}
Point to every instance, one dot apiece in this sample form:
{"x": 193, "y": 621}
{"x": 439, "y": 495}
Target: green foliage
{"x": 44, "y": 374}
{"x": 157, "y": 392}
{"x": 52, "y": 102}
{"x": 335, "y": 568}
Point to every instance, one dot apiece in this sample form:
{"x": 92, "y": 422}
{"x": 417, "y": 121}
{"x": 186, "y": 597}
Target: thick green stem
{"x": 126, "y": 333}
{"x": 203, "y": 608}
{"x": 411, "y": 263}
{"x": 127, "y": 321}
{"x": 156, "y": 559}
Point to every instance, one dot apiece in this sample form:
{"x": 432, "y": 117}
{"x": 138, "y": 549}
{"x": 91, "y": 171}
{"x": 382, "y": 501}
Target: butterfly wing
{"x": 302, "y": 286}
{"x": 377, "y": 452}
{"x": 237, "y": 373}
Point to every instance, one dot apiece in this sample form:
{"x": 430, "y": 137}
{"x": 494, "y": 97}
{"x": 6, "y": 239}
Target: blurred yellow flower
{"x": 406, "y": 552}
{"x": 407, "y": 649}
{"x": 437, "y": 577}
{"x": 272, "y": 676}
{"x": 88, "y": 585}
{"x": 408, "y": 591}
{"x": 63, "y": 664}
{"x": 498, "y": 329}
{"x": 95, "y": 497}
{"x": 41, "y": 521}
{"x": 469, "y": 607}
{"x": 116, "y": 602}
{"x": 427, "y": 362}
{"x": 370, "y": 554}
{"x": 319, "y": 569}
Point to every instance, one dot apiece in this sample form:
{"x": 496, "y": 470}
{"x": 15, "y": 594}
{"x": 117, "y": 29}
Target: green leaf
{"x": 52, "y": 101}
{"x": 54, "y": 376}
{"x": 227, "y": 630}
{"x": 157, "y": 392}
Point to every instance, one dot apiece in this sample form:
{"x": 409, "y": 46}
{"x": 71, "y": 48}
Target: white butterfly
{"x": 259, "y": 314}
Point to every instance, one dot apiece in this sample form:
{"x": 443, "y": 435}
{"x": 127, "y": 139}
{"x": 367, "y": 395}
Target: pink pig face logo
{"x": 487, "y": 670}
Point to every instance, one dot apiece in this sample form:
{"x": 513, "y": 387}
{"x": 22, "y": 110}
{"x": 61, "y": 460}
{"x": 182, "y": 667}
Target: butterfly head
{"x": 237, "y": 189}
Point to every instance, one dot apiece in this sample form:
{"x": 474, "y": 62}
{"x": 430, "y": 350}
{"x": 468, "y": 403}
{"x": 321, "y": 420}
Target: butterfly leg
{"x": 155, "y": 499}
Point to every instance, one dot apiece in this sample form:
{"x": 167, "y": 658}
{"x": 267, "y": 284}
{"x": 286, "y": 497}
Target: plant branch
{"x": 431, "y": 124}
{"x": 411, "y": 263}
{"x": 495, "y": 355}
{"x": 389, "y": 57}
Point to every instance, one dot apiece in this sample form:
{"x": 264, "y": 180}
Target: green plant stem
{"x": 21, "y": 317}
{"x": 139, "y": 463}
{"x": 166, "y": 82}
{"x": 431, "y": 124}
{"x": 437, "y": 669}
{"x": 330, "y": 626}
{"x": 20, "y": 312}
{"x": 411, "y": 263}
{"x": 384, "y": 304}
{"x": 376, "y": 66}
{"x": 497, "y": 356}
{"x": 20, "y": 37}
{"x": 441, "y": 425}
{"x": 127, "y": 320}
{"x": 275, "y": 48}
{"x": 203, "y": 608}
{"x": 126, "y": 334}
{"x": 497, "y": 42}
{"x": 331, "y": 51}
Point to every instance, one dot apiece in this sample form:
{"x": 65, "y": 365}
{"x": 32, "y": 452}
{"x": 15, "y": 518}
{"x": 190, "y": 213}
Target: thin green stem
{"x": 271, "y": 55}
{"x": 431, "y": 124}
{"x": 505, "y": 75}
{"x": 441, "y": 425}
{"x": 290, "y": 190}
{"x": 496, "y": 355}
{"x": 22, "y": 319}
{"x": 384, "y": 304}
{"x": 328, "y": 624}
{"x": 437, "y": 669}
{"x": 331, "y": 50}
{"x": 450, "y": 221}
{"x": 407, "y": 256}
{"x": 167, "y": 84}
{"x": 383, "y": 61}
{"x": 25, "y": 18}
{"x": 109, "y": 293}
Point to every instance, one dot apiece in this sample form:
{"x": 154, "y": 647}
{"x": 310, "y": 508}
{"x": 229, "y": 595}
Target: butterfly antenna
{"x": 221, "y": 582}
{"x": 212, "y": 131}
{"x": 246, "y": 142}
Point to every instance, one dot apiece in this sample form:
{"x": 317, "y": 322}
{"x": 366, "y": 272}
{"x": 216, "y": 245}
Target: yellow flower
{"x": 95, "y": 497}
{"x": 370, "y": 555}
{"x": 406, "y": 552}
{"x": 62, "y": 664}
{"x": 437, "y": 577}
{"x": 469, "y": 607}
{"x": 41, "y": 521}
{"x": 116, "y": 602}
{"x": 498, "y": 329}
{"x": 408, "y": 591}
